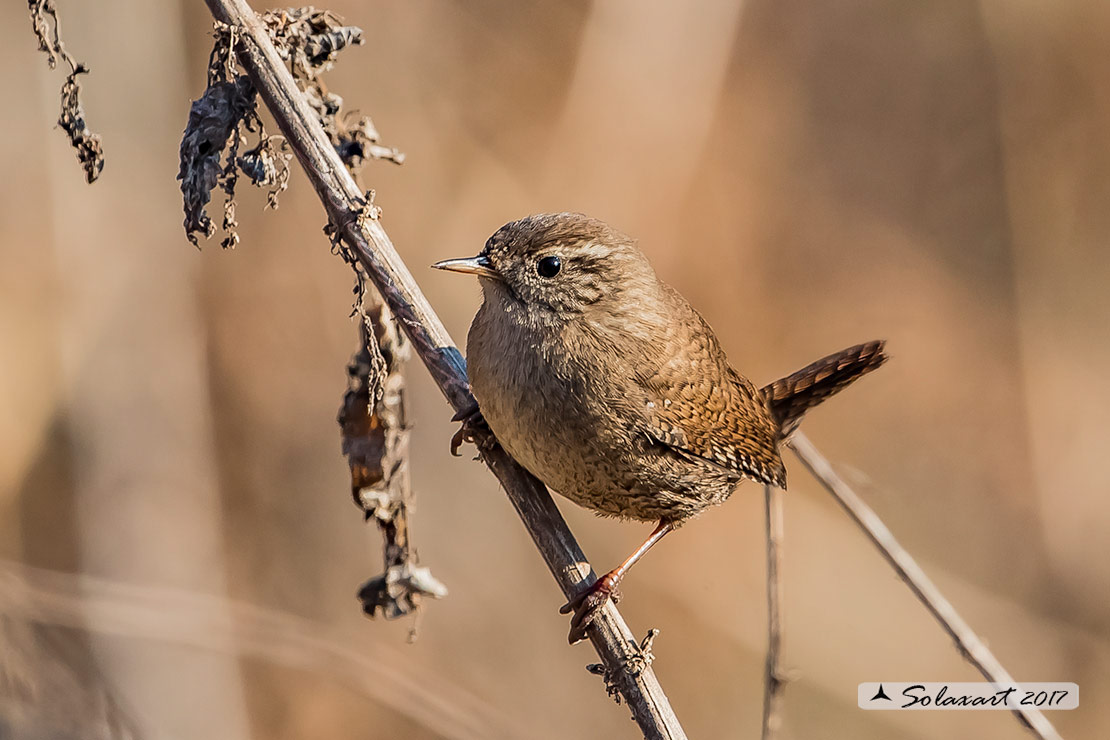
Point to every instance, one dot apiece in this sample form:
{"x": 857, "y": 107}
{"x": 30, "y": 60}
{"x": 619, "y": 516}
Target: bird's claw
{"x": 473, "y": 423}
{"x": 588, "y": 604}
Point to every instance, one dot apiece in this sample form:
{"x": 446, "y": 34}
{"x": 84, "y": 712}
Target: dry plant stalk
{"x": 774, "y": 679}
{"x": 46, "y": 688}
{"x": 973, "y": 649}
{"x": 352, "y": 217}
{"x": 193, "y": 620}
{"x": 48, "y": 31}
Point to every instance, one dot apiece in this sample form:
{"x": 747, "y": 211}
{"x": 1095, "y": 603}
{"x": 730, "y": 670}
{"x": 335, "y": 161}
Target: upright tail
{"x": 792, "y": 396}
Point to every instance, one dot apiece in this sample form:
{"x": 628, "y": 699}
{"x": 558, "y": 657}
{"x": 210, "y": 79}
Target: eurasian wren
{"x": 603, "y": 382}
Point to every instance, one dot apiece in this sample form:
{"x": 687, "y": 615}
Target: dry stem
{"x": 48, "y": 30}
{"x": 366, "y": 238}
{"x": 967, "y": 642}
{"x": 774, "y": 681}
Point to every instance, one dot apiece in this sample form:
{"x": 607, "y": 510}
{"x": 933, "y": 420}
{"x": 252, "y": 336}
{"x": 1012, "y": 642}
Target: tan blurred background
{"x": 178, "y": 548}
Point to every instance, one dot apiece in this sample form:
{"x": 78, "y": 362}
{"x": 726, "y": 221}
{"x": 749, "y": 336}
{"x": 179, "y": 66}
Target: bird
{"x": 606, "y": 384}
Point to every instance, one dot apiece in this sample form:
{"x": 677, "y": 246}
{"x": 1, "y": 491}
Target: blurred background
{"x": 179, "y": 552}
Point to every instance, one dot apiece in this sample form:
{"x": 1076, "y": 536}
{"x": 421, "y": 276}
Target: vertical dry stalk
{"x": 774, "y": 680}
{"x": 967, "y": 642}
{"x": 359, "y": 228}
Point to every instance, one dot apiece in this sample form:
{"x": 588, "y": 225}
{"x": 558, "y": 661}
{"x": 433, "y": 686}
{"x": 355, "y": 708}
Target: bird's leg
{"x": 472, "y": 420}
{"x": 587, "y": 604}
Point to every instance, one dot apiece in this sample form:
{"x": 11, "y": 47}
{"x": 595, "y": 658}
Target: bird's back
{"x": 703, "y": 408}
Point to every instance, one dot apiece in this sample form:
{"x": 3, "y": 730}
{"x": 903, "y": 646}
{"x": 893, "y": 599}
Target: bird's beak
{"x": 479, "y": 265}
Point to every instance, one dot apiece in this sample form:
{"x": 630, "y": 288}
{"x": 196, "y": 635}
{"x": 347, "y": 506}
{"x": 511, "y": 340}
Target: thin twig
{"x": 774, "y": 680}
{"x": 48, "y": 30}
{"x": 363, "y": 233}
{"x": 967, "y": 642}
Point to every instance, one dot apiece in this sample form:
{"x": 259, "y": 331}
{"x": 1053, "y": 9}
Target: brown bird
{"x": 604, "y": 383}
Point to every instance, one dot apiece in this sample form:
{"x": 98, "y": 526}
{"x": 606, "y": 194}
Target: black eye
{"x": 549, "y": 267}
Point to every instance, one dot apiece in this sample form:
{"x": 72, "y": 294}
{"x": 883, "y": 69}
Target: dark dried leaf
{"x": 322, "y": 47}
{"x": 213, "y": 120}
{"x": 267, "y": 165}
{"x": 364, "y": 430}
{"x": 309, "y": 40}
{"x": 375, "y": 441}
{"x": 399, "y": 591}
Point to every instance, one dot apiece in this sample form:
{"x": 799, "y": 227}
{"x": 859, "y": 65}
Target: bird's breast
{"x": 542, "y": 400}
{"x": 570, "y": 407}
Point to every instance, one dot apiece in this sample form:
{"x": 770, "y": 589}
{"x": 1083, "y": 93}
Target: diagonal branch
{"x": 967, "y": 642}
{"x": 358, "y": 226}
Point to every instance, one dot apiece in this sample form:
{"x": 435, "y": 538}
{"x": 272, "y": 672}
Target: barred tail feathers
{"x": 790, "y": 397}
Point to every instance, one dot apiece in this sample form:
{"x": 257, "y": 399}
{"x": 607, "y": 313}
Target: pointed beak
{"x": 479, "y": 265}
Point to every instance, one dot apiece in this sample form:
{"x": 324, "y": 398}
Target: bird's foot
{"x": 473, "y": 424}
{"x": 587, "y": 605}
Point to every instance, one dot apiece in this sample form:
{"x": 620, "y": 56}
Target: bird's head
{"x": 557, "y": 267}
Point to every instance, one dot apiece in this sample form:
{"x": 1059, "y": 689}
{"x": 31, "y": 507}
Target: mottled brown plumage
{"x": 607, "y": 385}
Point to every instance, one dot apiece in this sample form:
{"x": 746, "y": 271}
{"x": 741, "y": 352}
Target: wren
{"x": 604, "y": 383}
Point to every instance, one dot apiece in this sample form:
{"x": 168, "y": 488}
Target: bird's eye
{"x": 549, "y": 267}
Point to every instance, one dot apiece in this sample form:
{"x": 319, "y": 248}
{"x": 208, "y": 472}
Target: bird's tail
{"x": 790, "y": 397}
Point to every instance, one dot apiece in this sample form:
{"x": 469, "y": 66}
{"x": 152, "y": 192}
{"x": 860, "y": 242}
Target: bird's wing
{"x": 699, "y": 407}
